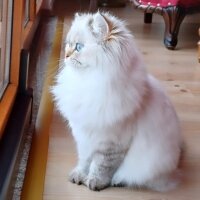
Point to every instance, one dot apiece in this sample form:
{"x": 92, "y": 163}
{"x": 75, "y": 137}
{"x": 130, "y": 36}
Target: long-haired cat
{"x": 126, "y": 129}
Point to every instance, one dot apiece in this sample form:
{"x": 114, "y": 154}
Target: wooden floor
{"x": 179, "y": 72}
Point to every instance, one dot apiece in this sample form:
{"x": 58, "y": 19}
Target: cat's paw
{"x": 77, "y": 176}
{"x": 117, "y": 182}
{"x": 97, "y": 184}
{"x": 121, "y": 184}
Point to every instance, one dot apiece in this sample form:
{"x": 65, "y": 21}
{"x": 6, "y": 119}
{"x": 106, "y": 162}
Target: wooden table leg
{"x": 173, "y": 16}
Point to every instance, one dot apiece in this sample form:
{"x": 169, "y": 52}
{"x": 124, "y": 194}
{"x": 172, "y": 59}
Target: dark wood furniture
{"x": 173, "y": 12}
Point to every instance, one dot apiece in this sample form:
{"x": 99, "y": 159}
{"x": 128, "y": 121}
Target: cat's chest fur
{"x": 83, "y": 94}
{"x": 92, "y": 96}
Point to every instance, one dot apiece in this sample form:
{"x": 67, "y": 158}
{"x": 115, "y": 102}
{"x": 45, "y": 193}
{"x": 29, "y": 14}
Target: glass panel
{"x": 38, "y": 4}
{"x": 5, "y": 42}
{"x": 27, "y": 12}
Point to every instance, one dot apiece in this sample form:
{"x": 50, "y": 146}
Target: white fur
{"x": 108, "y": 96}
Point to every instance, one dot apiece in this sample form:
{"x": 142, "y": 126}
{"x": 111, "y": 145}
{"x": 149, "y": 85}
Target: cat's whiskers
{"x": 52, "y": 72}
{"x": 61, "y": 60}
{"x": 58, "y": 67}
{"x": 76, "y": 61}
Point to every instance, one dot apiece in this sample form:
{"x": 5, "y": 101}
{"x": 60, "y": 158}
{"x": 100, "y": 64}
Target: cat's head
{"x": 95, "y": 39}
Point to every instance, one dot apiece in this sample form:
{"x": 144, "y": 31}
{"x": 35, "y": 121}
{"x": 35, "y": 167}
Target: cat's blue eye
{"x": 78, "y": 46}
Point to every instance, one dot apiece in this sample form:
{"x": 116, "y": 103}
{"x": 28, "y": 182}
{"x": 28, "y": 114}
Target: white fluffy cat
{"x": 125, "y": 127}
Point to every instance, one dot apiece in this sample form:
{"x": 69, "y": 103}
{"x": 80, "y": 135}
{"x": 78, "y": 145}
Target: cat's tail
{"x": 165, "y": 183}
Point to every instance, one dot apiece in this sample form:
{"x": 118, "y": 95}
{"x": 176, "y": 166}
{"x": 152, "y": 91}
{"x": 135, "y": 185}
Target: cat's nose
{"x": 68, "y": 54}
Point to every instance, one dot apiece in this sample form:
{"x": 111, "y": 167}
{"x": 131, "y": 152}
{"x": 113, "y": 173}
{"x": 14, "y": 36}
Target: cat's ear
{"x": 100, "y": 26}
